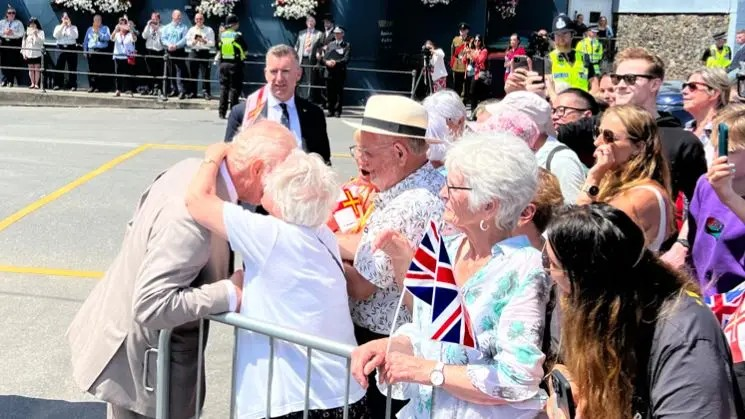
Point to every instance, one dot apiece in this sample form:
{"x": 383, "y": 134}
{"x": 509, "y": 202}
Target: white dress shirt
{"x": 274, "y": 113}
{"x": 16, "y": 26}
{"x": 66, "y": 35}
{"x": 152, "y": 38}
{"x": 207, "y": 33}
{"x": 233, "y": 195}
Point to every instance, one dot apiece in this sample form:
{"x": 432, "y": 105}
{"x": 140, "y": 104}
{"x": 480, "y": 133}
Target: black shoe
{"x": 56, "y": 88}
{"x": 146, "y": 93}
{"x": 330, "y": 114}
{"x": 156, "y": 92}
{"x": 206, "y": 96}
{"x": 182, "y": 96}
{"x": 173, "y": 94}
{"x": 91, "y": 90}
{"x": 191, "y": 96}
{"x": 221, "y": 116}
{"x": 73, "y": 89}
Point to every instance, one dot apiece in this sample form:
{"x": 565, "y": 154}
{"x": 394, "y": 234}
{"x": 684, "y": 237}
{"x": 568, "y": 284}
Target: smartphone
{"x": 723, "y": 139}
{"x": 563, "y": 392}
{"x": 539, "y": 66}
{"x": 741, "y": 85}
{"x": 519, "y": 61}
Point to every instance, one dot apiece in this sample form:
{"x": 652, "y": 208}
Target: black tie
{"x": 285, "y": 116}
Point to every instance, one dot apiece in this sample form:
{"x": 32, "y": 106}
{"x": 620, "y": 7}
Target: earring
{"x": 483, "y": 226}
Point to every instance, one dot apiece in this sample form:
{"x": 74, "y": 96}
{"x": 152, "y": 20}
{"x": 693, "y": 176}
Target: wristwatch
{"x": 684, "y": 243}
{"x": 591, "y": 190}
{"x": 437, "y": 376}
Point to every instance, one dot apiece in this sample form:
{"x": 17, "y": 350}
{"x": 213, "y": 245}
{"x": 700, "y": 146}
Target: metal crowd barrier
{"x": 274, "y": 332}
{"x": 166, "y": 62}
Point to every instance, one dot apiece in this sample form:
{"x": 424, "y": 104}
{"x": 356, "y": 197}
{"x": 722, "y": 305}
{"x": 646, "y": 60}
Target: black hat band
{"x": 394, "y": 127}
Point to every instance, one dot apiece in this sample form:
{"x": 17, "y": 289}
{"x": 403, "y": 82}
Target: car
{"x": 670, "y": 99}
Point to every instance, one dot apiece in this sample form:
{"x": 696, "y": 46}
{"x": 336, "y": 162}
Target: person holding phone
{"x": 200, "y": 44}
{"x": 636, "y": 338}
{"x": 66, "y": 35}
{"x": 153, "y": 54}
{"x": 124, "y": 56}
{"x": 515, "y": 49}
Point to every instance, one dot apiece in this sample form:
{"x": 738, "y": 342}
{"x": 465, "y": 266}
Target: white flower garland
{"x": 96, "y": 6}
{"x": 432, "y": 3}
{"x": 216, "y": 7}
{"x": 294, "y": 9}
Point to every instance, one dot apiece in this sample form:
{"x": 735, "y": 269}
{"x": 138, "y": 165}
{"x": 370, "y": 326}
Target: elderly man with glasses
{"x": 392, "y": 151}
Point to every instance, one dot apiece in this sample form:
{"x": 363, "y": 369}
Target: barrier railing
{"x": 168, "y": 60}
{"x": 274, "y": 333}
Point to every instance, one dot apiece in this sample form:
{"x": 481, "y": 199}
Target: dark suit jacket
{"x": 312, "y": 127}
{"x": 339, "y": 71}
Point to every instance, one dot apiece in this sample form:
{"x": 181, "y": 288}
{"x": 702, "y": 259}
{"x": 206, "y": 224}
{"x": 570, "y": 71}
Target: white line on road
{"x": 70, "y": 142}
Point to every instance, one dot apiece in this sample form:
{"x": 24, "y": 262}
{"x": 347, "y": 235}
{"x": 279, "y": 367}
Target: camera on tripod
{"x": 426, "y": 51}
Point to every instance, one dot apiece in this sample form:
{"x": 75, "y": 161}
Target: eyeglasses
{"x": 630, "y": 79}
{"x": 694, "y": 85}
{"x": 547, "y": 262}
{"x": 457, "y": 188}
{"x": 11, "y": 13}
{"x": 607, "y": 135}
{"x": 357, "y": 151}
{"x": 560, "y": 111}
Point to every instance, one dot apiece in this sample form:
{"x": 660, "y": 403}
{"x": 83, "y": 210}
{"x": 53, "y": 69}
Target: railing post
{"x": 163, "y": 86}
{"x": 43, "y": 70}
{"x": 163, "y": 382}
{"x": 413, "y": 83}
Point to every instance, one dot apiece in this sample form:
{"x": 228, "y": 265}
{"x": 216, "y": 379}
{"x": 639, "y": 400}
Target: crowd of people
{"x": 585, "y": 243}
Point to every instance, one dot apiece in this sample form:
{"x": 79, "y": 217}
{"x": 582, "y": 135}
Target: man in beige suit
{"x": 169, "y": 273}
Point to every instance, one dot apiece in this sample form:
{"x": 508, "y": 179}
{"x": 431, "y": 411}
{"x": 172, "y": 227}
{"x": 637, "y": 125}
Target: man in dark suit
{"x": 307, "y": 44}
{"x": 335, "y": 60}
{"x": 276, "y": 101}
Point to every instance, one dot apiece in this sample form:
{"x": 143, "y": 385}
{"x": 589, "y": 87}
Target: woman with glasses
{"x": 11, "y": 39}
{"x": 636, "y": 339}
{"x": 705, "y": 92}
{"x": 631, "y": 173}
{"x": 491, "y": 179}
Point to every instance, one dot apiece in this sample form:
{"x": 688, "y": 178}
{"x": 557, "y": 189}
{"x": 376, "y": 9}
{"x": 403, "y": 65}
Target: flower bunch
{"x": 506, "y": 8}
{"x": 216, "y": 7}
{"x": 78, "y": 5}
{"x": 95, "y": 6}
{"x": 432, "y": 3}
{"x": 294, "y": 9}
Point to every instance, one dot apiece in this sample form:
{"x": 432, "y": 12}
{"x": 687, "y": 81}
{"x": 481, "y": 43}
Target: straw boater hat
{"x": 394, "y": 115}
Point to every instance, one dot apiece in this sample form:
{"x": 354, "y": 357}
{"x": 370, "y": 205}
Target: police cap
{"x": 231, "y": 20}
{"x": 720, "y": 35}
{"x": 562, "y": 24}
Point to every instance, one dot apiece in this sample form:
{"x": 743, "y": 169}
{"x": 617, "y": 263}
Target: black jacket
{"x": 683, "y": 150}
{"x": 312, "y": 127}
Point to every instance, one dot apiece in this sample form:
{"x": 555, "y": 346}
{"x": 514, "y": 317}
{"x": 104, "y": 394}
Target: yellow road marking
{"x": 50, "y": 272}
{"x": 5, "y": 223}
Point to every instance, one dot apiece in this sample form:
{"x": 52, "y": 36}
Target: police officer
{"x": 566, "y": 65}
{"x": 718, "y": 55}
{"x": 335, "y": 62}
{"x": 232, "y": 49}
{"x": 591, "y": 46}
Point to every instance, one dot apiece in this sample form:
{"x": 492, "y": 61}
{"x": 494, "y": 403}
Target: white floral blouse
{"x": 506, "y": 301}
{"x": 407, "y": 207}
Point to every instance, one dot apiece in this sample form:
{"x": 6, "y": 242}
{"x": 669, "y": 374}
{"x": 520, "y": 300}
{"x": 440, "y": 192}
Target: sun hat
{"x": 509, "y": 121}
{"x": 536, "y": 107}
{"x": 394, "y": 115}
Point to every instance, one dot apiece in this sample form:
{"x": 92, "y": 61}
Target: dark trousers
{"x": 11, "y": 57}
{"x": 68, "y": 59}
{"x": 177, "y": 71}
{"x": 231, "y": 84}
{"x": 124, "y": 69}
{"x": 97, "y": 64}
{"x": 458, "y": 80}
{"x": 479, "y": 91}
{"x": 335, "y": 92}
{"x": 376, "y": 399}
{"x": 200, "y": 68}
{"x": 154, "y": 64}
{"x": 310, "y": 78}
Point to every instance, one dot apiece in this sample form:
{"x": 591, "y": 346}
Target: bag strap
{"x": 556, "y": 149}
{"x": 333, "y": 256}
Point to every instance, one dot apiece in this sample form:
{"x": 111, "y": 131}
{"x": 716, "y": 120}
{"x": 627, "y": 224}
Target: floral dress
{"x": 506, "y": 301}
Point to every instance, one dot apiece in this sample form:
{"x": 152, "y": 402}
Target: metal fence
{"x": 274, "y": 333}
{"x": 48, "y": 67}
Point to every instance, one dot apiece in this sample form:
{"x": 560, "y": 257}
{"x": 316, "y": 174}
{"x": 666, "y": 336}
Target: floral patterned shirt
{"x": 506, "y": 301}
{"x": 407, "y": 207}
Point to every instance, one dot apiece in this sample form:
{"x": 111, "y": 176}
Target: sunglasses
{"x": 607, "y": 135}
{"x": 630, "y": 79}
{"x": 695, "y": 85}
{"x": 562, "y": 110}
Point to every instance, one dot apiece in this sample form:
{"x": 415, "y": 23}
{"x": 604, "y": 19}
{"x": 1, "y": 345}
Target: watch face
{"x": 593, "y": 190}
{"x": 437, "y": 378}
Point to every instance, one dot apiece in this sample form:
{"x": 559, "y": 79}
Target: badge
{"x": 560, "y": 24}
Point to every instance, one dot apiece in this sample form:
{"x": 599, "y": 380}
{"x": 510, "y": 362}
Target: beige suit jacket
{"x": 168, "y": 274}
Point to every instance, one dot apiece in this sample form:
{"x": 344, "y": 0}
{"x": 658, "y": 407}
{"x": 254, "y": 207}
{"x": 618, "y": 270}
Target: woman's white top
{"x": 32, "y": 44}
{"x": 438, "y": 64}
{"x": 292, "y": 280}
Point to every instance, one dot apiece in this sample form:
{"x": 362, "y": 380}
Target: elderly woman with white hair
{"x": 491, "y": 179}
{"x": 293, "y": 278}
{"x": 446, "y": 120}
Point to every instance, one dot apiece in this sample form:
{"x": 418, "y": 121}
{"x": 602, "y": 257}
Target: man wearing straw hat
{"x": 392, "y": 151}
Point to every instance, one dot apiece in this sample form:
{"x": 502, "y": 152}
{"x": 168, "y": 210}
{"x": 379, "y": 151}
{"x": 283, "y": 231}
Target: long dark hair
{"x": 36, "y": 22}
{"x": 618, "y": 291}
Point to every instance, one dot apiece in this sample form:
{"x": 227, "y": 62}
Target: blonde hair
{"x": 716, "y": 79}
{"x": 648, "y": 164}
{"x": 734, "y": 116}
{"x": 657, "y": 66}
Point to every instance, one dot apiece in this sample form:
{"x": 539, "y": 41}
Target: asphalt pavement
{"x": 69, "y": 181}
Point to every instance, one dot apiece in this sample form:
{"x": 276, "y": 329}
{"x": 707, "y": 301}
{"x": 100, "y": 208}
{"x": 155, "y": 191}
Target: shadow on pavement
{"x": 19, "y": 407}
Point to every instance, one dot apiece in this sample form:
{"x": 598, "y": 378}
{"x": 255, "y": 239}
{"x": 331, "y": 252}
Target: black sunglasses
{"x": 694, "y": 85}
{"x": 629, "y": 78}
{"x": 607, "y": 135}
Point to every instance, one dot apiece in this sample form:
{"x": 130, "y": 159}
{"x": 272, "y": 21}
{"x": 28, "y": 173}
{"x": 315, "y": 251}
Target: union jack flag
{"x": 725, "y": 305}
{"x": 430, "y": 279}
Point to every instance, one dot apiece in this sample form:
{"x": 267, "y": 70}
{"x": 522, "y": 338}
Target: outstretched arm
{"x": 202, "y": 201}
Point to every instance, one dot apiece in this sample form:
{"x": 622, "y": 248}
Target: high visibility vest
{"x": 594, "y": 49}
{"x": 574, "y": 74}
{"x": 719, "y": 59}
{"x": 228, "y": 46}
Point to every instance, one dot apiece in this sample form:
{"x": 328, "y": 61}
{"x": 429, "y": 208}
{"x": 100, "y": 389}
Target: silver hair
{"x": 437, "y": 127}
{"x": 446, "y": 104}
{"x": 718, "y": 80}
{"x": 266, "y": 141}
{"x": 499, "y": 168}
{"x": 303, "y": 188}
{"x": 282, "y": 50}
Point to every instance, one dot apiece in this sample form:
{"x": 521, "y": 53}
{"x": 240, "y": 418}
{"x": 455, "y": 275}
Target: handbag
{"x": 485, "y": 77}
